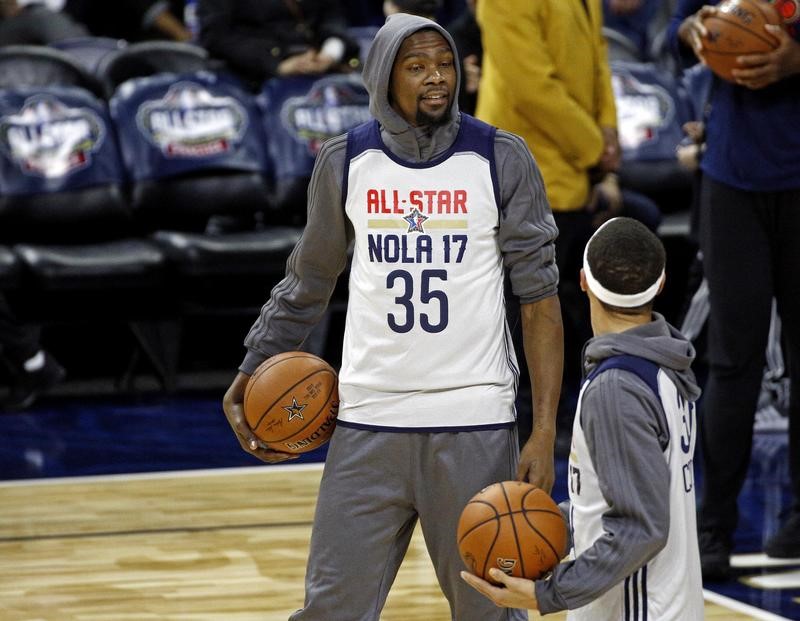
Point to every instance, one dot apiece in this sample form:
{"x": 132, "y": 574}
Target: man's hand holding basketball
{"x": 515, "y": 592}
{"x": 692, "y": 30}
{"x": 233, "y": 406}
{"x": 760, "y": 70}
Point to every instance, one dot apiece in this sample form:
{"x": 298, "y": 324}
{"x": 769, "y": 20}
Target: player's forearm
{"x": 543, "y": 335}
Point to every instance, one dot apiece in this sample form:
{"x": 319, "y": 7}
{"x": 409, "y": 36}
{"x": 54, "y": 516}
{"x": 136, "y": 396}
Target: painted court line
{"x": 749, "y": 561}
{"x": 737, "y": 606}
{"x": 166, "y": 474}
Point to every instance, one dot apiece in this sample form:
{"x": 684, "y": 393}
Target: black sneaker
{"x": 715, "y": 556}
{"x": 29, "y": 386}
{"x": 786, "y": 542}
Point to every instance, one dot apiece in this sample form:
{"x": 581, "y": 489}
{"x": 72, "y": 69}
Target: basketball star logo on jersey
{"x": 295, "y": 410}
{"x": 415, "y": 220}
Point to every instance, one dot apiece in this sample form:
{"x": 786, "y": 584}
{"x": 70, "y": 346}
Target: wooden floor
{"x": 227, "y": 545}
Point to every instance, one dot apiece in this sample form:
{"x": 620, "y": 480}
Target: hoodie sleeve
{"x": 298, "y": 301}
{"x": 625, "y": 429}
{"x": 527, "y": 228}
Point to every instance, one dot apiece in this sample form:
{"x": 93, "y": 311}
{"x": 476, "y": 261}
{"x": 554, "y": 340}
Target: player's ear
{"x": 584, "y": 284}
{"x": 661, "y": 285}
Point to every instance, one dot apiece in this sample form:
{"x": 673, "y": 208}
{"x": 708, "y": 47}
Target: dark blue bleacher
{"x": 181, "y": 199}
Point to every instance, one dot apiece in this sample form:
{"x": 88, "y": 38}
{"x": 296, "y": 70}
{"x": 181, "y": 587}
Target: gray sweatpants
{"x": 375, "y": 486}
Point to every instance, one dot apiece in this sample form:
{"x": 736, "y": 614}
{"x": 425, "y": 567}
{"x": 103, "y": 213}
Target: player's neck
{"x": 604, "y": 322}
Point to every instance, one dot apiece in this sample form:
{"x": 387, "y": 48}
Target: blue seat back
{"x": 651, "y": 111}
{"x": 300, "y": 113}
{"x": 61, "y": 175}
{"x": 90, "y": 52}
{"x": 55, "y": 139}
{"x": 172, "y": 125}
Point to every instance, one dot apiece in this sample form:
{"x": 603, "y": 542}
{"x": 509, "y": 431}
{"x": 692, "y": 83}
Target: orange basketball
{"x": 291, "y": 402}
{"x": 513, "y": 526}
{"x": 738, "y": 30}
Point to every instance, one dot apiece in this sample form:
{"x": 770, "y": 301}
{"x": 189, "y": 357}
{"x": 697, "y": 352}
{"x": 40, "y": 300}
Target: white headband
{"x": 620, "y": 300}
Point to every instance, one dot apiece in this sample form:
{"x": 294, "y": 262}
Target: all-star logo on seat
{"x": 333, "y": 105}
{"x": 295, "y": 410}
{"x": 49, "y": 138}
{"x": 645, "y": 110}
{"x": 190, "y": 121}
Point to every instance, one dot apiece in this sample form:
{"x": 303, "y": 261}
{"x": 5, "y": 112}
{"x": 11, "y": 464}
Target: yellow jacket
{"x": 546, "y": 78}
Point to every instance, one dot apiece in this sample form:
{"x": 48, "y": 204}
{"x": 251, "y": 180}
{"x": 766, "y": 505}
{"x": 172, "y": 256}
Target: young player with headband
{"x": 631, "y": 491}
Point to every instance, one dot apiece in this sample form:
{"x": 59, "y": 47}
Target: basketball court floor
{"x": 147, "y": 509}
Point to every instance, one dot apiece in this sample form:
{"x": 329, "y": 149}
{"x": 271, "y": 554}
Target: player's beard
{"x": 424, "y": 119}
{"x": 428, "y": 120}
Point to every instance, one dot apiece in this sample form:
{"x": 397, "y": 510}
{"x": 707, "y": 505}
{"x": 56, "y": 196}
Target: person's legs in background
{"x": 33, "y": 370}
{"x": 737, "y": 265}
{"x": 786, "y": 261}
{"x": 642, "y": 208}
{"x": 574, "y": 231}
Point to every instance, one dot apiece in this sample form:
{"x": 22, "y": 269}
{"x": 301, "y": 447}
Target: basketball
{"x": 738, "y": 30}
{"x": 291, "y": 402}
{"x": 513, "y": 526}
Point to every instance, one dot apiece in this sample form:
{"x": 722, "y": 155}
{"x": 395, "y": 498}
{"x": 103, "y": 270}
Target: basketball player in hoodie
{"x": 631, "y": 490}
{"x": 437, "y": 207}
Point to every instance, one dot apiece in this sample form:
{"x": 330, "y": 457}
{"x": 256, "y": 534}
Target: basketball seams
{"x": 306, "y": 372}
{"x": 287, "y": 392}
{"x": 520, "y": 555}
{"x": 280, "y": 397}
{"x": 508, "y": 530}
{"x": 761, "y": 8}
{"x": 271, "y": 362}
{"x": 556, "y": 554}
{"x": 733, "y": 22}
{"x": 494, "y": 518}
{"x": 708, "y": 53}
{"x": 511, "y": 513}
{"x": 317, "y": 414}
{"x": 490, "y": 548}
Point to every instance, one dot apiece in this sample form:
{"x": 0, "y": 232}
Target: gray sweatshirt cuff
{"x": 251, "y": 361}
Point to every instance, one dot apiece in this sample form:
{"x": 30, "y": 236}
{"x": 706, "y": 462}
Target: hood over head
{"x": 377, "y": 75}
{"x": 656, "y": 341}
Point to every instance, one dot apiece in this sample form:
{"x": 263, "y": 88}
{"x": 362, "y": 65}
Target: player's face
{"x": 423, "y": 78}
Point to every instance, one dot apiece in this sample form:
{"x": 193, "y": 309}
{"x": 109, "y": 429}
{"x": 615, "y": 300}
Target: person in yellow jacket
{"x": 546, "y": 78}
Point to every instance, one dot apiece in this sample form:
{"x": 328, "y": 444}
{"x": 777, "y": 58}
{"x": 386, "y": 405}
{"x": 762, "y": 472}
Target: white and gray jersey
{"x": 631, "y": 489}
{"x": 669, "y": 585}
{"x": 426, "y": 344}
{"x": 436, "y": 307}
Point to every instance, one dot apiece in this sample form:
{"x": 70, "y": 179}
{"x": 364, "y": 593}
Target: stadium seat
{"x": 194, "y": 150}
{"x": 60, "y": 172}
{"x": 35, "y": 65}
{"x": 620, "y": 47}
{"x": 147, "y": 58}
{"x": 300, "y": 113}
{"x": 90, "y": 52}
{"x": 192, "y": 147}
{"x": 9, "y": 268}
{"x": 63, "y": 210}
{"x": 651, "y": 111}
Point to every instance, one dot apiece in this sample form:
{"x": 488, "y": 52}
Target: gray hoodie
{"x": 619, "y": 409}
{"x": 413, "y": 144}
{"x": 526, "y": 234}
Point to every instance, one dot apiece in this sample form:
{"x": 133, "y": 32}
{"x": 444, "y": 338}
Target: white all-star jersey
{"x": 669, "y": 586}
{"x": 426, "y": 346}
